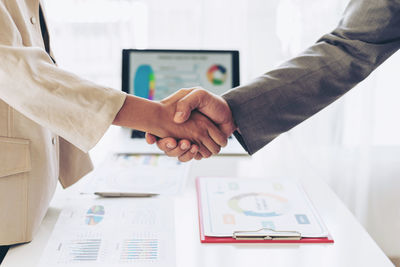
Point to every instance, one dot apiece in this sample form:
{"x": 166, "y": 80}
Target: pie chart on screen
{"x": 144, "y": 82}
{"x": 216, "y": 74}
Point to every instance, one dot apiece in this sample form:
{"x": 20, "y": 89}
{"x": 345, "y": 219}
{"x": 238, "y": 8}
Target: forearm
{"x": 280, "y": 99}
{"x": 139, "y": 114}
{"x": 149, "y": 116}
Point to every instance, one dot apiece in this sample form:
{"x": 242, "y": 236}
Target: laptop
{"x": 156, "y": 74}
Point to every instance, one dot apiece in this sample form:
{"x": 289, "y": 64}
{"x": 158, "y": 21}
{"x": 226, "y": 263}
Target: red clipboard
{"x": 212, "y": 239}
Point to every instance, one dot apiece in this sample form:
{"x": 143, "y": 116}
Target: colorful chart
{"x": 94, "y": 215}
{"x": 144, "y": 84}
{"x": 259, "y": 204}
{"x": 139, "y": 249}
{"x": 151, "y": 160}
{"x": 83, "y": 250}
{"x": 216, "y": 74}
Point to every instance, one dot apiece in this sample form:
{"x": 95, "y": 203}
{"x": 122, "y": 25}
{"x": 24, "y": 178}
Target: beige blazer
{"x": 49, "y": 120}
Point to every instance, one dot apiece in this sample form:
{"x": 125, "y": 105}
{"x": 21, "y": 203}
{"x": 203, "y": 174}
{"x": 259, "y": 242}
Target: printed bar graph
{"x": 83, "y": 250}
{"x": 139, "y": 249}
{"x": 113, "y": 232}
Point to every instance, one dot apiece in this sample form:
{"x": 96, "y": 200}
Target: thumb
{"x": 185, "y": 105}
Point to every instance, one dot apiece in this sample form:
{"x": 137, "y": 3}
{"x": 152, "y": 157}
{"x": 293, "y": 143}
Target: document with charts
{"x": 126, "y": 173}
{"x": 233, "y": 204}
{"x": 113, "y": 232}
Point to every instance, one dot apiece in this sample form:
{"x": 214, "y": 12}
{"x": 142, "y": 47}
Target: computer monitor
{"x": 155, "y": 74}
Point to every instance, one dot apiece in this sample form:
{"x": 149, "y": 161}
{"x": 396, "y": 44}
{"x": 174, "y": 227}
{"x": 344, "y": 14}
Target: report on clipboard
{"x": 235, "y": 210}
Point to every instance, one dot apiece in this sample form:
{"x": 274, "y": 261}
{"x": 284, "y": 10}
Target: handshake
{"x": 206, "y": 122}
{"x": 191, "y": 123}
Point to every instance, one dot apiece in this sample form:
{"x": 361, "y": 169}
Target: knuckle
{"x": 200, "y": 92}
{"x": 161, "y": 147}
{"x": 196, "y": 88}
{"x": 164, "y": 148}
{"x": 222, "y": 141}
{"x": 207, "y": 154}
{"x": 199, "y": 88}
{"x": 172, "y": 153}
{"x": 184, "y": 158}
{"x": 198, "y": 156}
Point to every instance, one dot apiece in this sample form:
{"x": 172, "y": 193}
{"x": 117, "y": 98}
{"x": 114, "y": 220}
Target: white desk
{"x": 353, "y": 246}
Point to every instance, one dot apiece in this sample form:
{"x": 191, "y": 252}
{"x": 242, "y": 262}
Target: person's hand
{"x": 211, "y": 105}
{"x": 157, "y": 118}
{"x": 204, "y": 136}
{"x": 183, "y": 150}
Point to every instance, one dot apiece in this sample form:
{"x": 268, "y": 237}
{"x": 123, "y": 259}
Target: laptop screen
{"x": 155, "y": 74}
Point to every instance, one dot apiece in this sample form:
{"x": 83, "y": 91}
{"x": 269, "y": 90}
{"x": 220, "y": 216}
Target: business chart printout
{"x": 244, "y": 204}
{"x": 113, "y": 232}
{"x": 126, "y": 173}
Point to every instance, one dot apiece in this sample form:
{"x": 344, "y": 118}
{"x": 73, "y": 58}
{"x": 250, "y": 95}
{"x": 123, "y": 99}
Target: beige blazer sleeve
{"x": 76, "y": 109}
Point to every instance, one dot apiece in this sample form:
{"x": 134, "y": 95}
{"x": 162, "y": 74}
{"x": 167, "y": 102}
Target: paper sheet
{"x": 113, "y": 232}
{"x": 231, "y": 204}
{"x": 139, "y": 174}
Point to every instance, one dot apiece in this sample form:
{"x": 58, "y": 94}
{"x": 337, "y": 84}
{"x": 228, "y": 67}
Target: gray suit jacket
{"x": 367, "y": 35}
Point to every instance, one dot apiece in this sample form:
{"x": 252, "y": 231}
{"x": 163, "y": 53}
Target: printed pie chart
{"x": 94, "y": 215}
{"x": 259, "y": 204}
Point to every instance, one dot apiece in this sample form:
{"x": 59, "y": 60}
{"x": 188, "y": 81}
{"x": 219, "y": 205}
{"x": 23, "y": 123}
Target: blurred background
{"x": 353, "y": 144}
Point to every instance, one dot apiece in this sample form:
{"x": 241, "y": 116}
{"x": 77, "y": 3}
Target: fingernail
{"x": 193, "y": 150}
{"x": 178, "y": 116}
{"x": 184, "y": 146}
{"x": 169, "y": 145}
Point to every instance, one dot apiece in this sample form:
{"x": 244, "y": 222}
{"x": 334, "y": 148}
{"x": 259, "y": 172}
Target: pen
{"x": 120, "y": 194}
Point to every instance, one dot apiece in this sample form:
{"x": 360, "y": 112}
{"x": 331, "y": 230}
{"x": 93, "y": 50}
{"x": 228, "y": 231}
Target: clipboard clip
{"x": 266, "y": 234}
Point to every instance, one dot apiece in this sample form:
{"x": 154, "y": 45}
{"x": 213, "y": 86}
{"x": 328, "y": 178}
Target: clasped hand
{"x": 203, "y": 122}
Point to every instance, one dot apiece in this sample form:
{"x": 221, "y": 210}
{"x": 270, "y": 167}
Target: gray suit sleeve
{"x": 366, "y": 36}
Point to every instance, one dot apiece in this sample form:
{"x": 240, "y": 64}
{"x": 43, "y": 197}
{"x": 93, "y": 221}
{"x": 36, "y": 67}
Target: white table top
{"x": 353, "y": 246}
